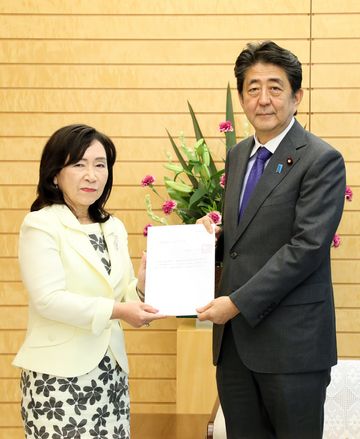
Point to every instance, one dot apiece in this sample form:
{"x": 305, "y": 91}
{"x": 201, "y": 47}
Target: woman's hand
{"x": 137, "y": 314}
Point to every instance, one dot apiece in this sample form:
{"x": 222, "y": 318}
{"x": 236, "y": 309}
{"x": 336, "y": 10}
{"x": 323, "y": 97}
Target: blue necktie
{"x": 262, "y": 155}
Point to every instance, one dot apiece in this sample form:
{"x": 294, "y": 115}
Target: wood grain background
{"x": 128, "y": 68}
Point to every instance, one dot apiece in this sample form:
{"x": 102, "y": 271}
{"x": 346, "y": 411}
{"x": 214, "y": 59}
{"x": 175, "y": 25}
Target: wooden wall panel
{"x": 335, "y": 26}
{"x": 348, "y": 345}
{"x": 120, "y": 124}
{"x": 335, "y": 75}
{"x": 335, "y": 51}
{"x": 338, "y": 6}
{"x": 347, "y": 100}
{"x": 118, "y": 77}
{"x": 347, "y": 146}
{"x": 120, "y": 101}
{"x": 128, "y": 68}
{"x": 335, "y": 124}
{"x": 128, "y": 149}
{"x": 14, "y": 433}
{"x": 13, "y": 293}
{"x": 187, "y": 7}
{"x": 334, "y": 102}
{"x": 119, "y": 27}
{"x": 10, "y": 415}
{"x": 347, "y": 295}
{"x": 133, "y": 51}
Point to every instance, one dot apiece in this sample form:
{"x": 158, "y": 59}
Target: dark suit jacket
{"x": 276, "y": 261}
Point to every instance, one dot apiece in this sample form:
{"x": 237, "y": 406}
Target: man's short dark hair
{"x": 268, "y": 52}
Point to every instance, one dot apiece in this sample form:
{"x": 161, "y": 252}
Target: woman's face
{"x": 82, "y": 183}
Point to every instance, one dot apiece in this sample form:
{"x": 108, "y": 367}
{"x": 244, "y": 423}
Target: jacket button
{"x": 233, "y": 255}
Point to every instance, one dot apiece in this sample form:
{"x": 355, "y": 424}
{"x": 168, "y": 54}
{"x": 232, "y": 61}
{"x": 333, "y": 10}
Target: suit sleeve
{"x": 44, "y": 278}
{"x": 317, "y": 215}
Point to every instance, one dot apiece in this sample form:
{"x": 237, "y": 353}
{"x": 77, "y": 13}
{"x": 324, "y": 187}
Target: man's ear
{"x": 298, "y": 97}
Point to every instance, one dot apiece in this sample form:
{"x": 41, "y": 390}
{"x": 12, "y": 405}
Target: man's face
{"x": 268, "y": 101}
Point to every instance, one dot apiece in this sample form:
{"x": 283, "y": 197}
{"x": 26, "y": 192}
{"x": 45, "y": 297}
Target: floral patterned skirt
{"x": 92, "y": 406}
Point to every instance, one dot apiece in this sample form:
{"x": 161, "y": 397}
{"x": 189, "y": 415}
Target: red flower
{"x": 215, "y": 216}
{"x": 148, "y": 180}
{"x": 169, "y": 206}
{"x": 225, "y": 127}
{"x": 348, "y": 193}
{"x": 145, "y": 232}
{"x": 336, "y": 241}
{"x": 223, "y": 180}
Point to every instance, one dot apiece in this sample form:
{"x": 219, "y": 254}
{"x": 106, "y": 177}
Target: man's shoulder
{"x": 320, "y": 145}
{"x": 249, "y": 141}
{"x": 316, "y": 143}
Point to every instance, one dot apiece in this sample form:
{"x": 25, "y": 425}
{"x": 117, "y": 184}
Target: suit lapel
{"x": 117, "y": 256}
{"x": 236, "y": 171}
{"x": 289, "y": 148}
{"x": 80, "y": 242}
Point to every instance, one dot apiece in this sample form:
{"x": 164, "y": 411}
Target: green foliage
{"x": 196, "y": 182}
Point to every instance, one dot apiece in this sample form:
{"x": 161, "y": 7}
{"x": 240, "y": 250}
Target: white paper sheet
{"x": 180, "y": 266}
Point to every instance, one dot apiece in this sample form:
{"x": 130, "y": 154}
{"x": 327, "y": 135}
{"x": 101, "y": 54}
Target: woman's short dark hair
{"x": 268, "y": 52}
{"x": 65, "y": 147}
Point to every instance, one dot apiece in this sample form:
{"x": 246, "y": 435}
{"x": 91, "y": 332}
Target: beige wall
{"x": 128, "y": 67}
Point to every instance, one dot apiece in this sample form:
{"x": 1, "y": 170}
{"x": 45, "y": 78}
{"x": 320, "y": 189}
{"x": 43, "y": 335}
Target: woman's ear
{"x": 55, "y": 181}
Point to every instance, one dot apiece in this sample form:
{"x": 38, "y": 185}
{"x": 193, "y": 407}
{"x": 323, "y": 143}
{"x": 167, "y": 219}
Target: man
{"x": 274, "y": 321}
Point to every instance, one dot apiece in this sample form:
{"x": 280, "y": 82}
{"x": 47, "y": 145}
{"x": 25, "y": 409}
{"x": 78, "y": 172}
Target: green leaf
{"x": 190, "y": 154}
{"x": 204, "y": 172}
{"x": 181, "y": 187}
{"x": 231, "y": 135}
{"x": 199, "y": 135}
{"x": 206, "y": 155}
{"x": 150, "y": 212}
{"x": 173, "y": 167}
{"x": 197, "y": 195}
{"x": 193, "y": 180}
{"x": 199, "y": 143}
{"x": 179, "y": 197}
{"x": 195, "y": 214}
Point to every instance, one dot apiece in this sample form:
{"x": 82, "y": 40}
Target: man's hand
{"x": 208, "y": 223}
{"x": 218, "y": 311}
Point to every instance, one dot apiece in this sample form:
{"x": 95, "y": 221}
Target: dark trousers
{"x": 269, "y": 406}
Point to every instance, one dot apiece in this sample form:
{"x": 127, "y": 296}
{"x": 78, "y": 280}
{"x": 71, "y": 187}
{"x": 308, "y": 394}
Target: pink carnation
{"x": 336, "y": 241}
{"x": 145, "y": 231}
{"x": 169, "y": 206}
{"x": 348, "y": 193}
{"x": 148, "y": 180}
{"x": 225, "y": 127}
{"x": 223, "y": 180}
{"x": 215, "y": 216}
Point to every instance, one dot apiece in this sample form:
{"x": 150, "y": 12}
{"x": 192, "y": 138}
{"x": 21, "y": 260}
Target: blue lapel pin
{"x": 279, "y": 168}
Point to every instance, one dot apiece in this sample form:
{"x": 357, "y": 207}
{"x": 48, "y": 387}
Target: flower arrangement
{"x": 337, "y": 238}
{"x": 197, "y": 186}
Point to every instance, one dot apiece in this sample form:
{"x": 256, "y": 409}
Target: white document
{"x": 180, "y": 268}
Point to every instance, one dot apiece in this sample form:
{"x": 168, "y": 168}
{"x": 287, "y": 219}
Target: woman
{"x": 76, "y": 267}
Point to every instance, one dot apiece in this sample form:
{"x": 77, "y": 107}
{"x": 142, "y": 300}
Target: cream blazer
{"x": 71, "y": 296}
